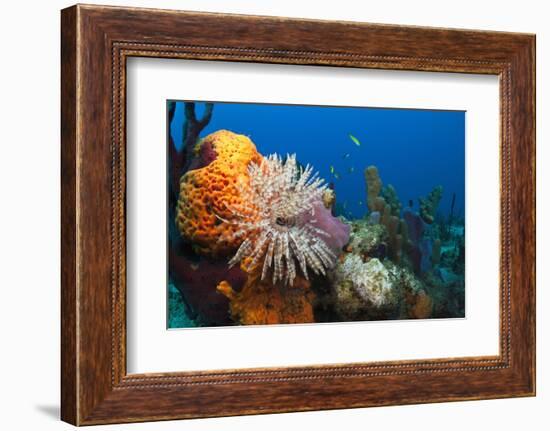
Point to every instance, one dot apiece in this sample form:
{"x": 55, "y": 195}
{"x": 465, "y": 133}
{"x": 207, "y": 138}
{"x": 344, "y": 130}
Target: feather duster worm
{"x": 278, "y": 220}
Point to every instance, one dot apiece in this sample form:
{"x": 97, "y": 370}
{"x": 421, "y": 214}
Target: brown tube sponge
{"x": 374, "y": 186}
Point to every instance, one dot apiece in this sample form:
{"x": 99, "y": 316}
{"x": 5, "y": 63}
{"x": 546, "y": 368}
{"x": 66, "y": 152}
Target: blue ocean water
{"x": 414, "y": 150}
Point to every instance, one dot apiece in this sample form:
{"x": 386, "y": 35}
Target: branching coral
{"x": 390, "y": 196}
{"x": 428, "y": 205}
{"x": 276, "y": 220}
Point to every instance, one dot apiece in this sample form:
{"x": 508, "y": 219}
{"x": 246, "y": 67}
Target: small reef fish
{"x": 355, "y": 140}
{"x": 351, "y": 170}
{"x": 360, "y": 202}
{"x": 337, "y": 175}
{"x": 331, "y": 169}
{"x": 346, "y": 156}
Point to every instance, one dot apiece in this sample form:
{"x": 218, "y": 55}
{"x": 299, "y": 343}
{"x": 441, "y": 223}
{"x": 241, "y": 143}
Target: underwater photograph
{"x": 281, "y": 214}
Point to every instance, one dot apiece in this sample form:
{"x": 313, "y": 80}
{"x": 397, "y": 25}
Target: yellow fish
{"x": 355, "y": 140}
{"x": 332, "y": 169}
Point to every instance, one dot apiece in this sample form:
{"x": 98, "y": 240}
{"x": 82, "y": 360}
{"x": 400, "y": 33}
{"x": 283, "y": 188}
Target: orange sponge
{"x": 205, "y": 192}
{"x": 261, "y": 302}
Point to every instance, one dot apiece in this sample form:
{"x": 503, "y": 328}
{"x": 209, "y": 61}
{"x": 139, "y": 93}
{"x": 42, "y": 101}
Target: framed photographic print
{"x": 325, "y": 214}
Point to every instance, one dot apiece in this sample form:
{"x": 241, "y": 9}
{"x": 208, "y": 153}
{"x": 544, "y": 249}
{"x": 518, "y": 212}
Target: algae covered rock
{"x": 368, "y": 239}
{"x": 377, "y": 290}
{"x": 403, "y": 278}
{"x": 362, "y": 288}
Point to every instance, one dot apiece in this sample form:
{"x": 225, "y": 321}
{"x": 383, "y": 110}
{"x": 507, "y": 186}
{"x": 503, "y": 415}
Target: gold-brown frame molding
{"x": 96, "y": 42}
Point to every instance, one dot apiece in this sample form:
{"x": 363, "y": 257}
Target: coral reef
{"x": 390, "y": 196}
{"x": 395, "y": 239}
{"x": 428, "y": 205}
{"x": 445, "y": 224}
{"x": 337, "y": 231}
{"x": 178, "y": 313}
{"x": 374, "y": 217}
{"x": 204, "y": 153}
{"x": 370, "y": 280}
{"x": 261, "y": 302}
{"x": 416, "y": 303}
{"x": 374, "y": 186}
{"x": 205, "y": 192}
{"x": 371, "y": 289}
{"x": 368, "y": 239}
{"x": 436, "y": 252}
{"x": 181, "y": 158}
{"x": 403, "y": 278}
{"x": 329, "y": 198}
{"x": 418, "y": 247}
{"x": 386, "y": 210}
{"x": 253, "y": 240}
{"x": 415, "y": 225}
{"x": 446, "y": 290}
{"x": 196, "y": 279}
{"x": 280, "y": 221}
{"x": 421, "y": 305}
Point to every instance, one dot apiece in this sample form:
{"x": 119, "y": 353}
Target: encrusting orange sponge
{"x": 262, "y": 303}
{"x": 206, "y": 191}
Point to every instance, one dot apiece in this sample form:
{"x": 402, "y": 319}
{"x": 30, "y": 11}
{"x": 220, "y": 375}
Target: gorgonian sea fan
{"x": 276, "y": 220}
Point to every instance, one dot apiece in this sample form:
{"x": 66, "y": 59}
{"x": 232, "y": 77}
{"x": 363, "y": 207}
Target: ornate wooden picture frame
{"x": 96, "y": 41}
